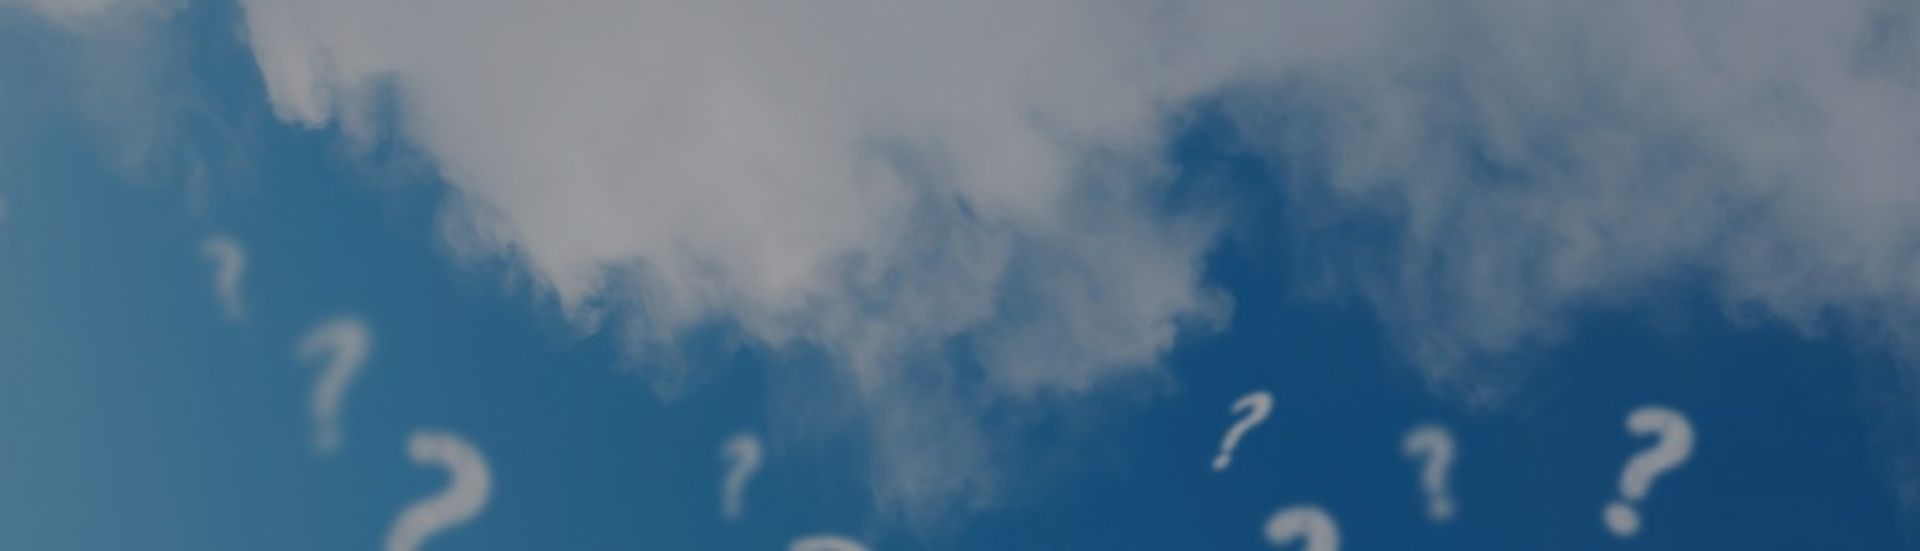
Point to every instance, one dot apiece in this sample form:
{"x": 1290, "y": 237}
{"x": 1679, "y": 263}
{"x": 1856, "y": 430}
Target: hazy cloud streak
{"x": 230, "y": 265}
{"x": 465, "y": 497}
{"x": 343, "y": 344}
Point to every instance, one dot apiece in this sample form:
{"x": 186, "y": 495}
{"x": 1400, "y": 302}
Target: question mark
{"x": 463, "y": 499}
{"x": 1674, "y": 447}
{"x": 825, "y": 542}
{"x": 1304, "y": 522}
{"x": 229, "y": 264}
{"x": 1258, "y": 404}
{"x": 345, "y": 343}
{"x": 1433, "y": 445}
{"x": 743, "y": 451}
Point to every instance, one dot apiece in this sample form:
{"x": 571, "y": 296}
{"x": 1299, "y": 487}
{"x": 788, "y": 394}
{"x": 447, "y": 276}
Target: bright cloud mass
{"x": 963, "y": 207}
{"x": 880, "y": 179}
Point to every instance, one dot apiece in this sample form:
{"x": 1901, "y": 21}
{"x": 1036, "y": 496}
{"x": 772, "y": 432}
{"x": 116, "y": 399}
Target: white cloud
{"x": 79, "y": 11}
{"x": 1528, "y": 160}
{"x": 887, "y": 180}
{"x": 117, "y": 72}
{"x": 1308, "y": 524}
{"x": 873, "y": 178}
{"x": 230, "y": 265}
{"x": 464, "y": 498}
{"x": 344, "y": 343}
{"x": 825, "y": 542}
{"x": 742, "y": 453}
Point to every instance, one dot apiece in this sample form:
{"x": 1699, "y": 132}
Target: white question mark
{"x": 825, "y": 542}
{"x": 466, "y": 495}
{"x": 1433, "y": 446}
{"x": 743, "y": 451}
{"x": 1303, "y": 522}
{"x": 345, "y": 343}
{"x": 229, "y": 264}
{"x": 1674, "y": 447}
{"x": 1258, "y": 404}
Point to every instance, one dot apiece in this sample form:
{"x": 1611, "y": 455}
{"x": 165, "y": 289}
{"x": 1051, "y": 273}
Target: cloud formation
{"x": 742, "y": 453}
{"x": 465, "y": 497}
{"x": 230, "y": 264}
{"x": 72, "y": 11}
{"x": 882, "y": 181}
{"x": 343, "y": 344}
{"x": 825, "y": 542}
{"x": 1527, "y": 160}
{"x": 892, "y": 182}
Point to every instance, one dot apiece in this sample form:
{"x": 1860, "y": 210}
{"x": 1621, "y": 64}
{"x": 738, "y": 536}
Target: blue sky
{"x": 596, "y": 360}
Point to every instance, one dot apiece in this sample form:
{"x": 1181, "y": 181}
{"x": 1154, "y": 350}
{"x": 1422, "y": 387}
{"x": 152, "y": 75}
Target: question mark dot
{"x": 1622, "y": 520}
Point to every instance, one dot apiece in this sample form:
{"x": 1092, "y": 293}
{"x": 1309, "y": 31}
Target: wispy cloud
{"x": 743, "y": 454}
{"x": 465, "y": 497}
{"x": 767, "y": 167}
{"x": 75, "y": 11}
{"x": 1308, "y": 524}
{"x": 884, "y": 181}
{"x": 1527, "y": 160}
{"x": 825, "y": 542}
{"x": 897, "y": 184}
{"x": 339, "y": 347}
{"x": 230, "y": 265}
